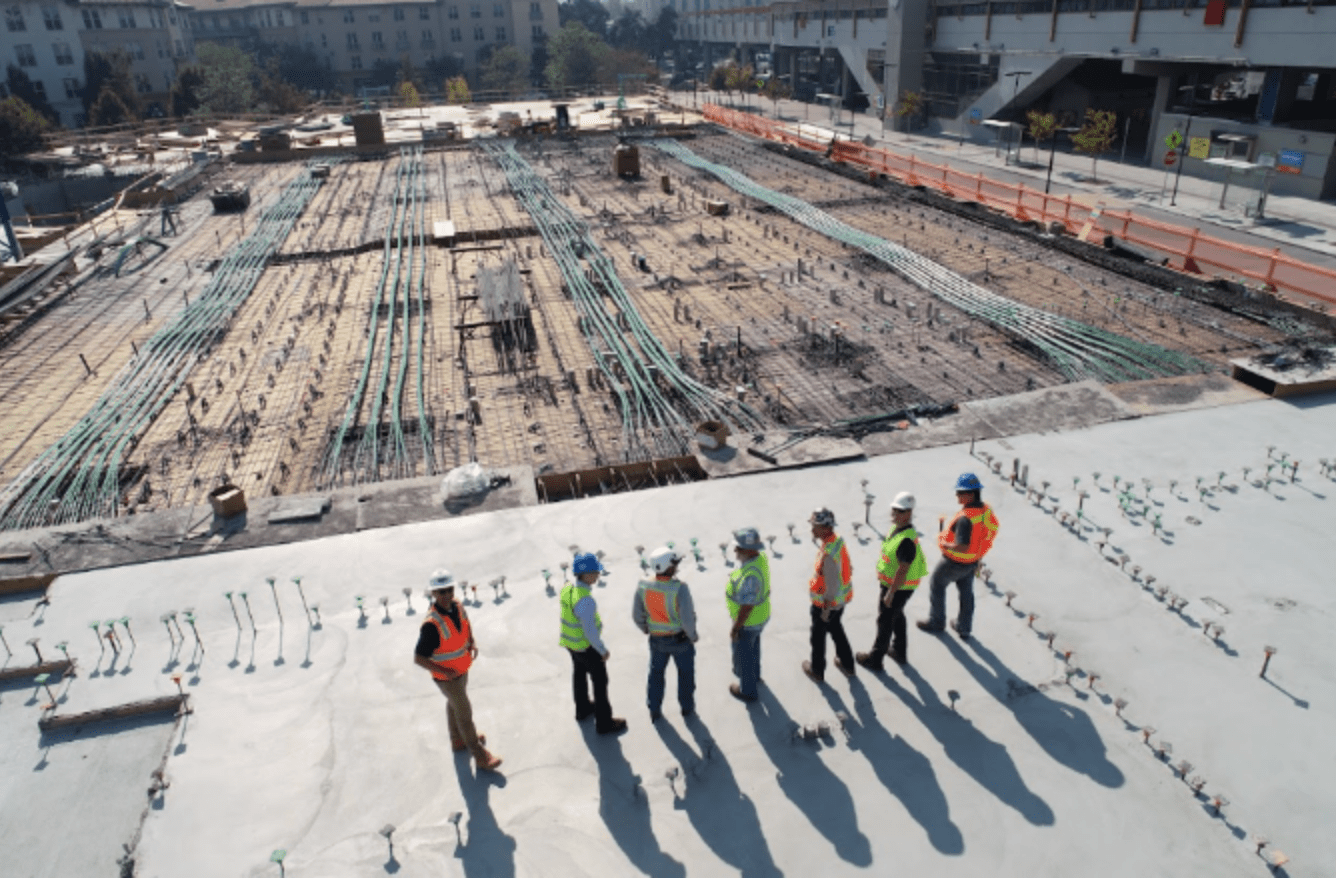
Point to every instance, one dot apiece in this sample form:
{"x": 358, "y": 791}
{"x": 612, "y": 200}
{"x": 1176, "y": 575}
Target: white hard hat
{"x": 903, "y": 500}
{"x": 441, "y": 578}
{"x": 662, "y": 558}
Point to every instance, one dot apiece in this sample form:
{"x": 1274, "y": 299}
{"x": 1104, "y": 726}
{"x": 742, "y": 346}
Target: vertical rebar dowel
{"x": 172, "y": 615}
{"x": 245, "y": 599}
{"x": 125, "y": 621}
{"x": 273, "y": 588}
{"x": 166, "y": 623}
{"x": 1270, "y": 651}
{"x": 190, "y": 620}
{"x": 231, "y": 603}
{"x": 297, "y": 581}
{"x": 9, "y": 651}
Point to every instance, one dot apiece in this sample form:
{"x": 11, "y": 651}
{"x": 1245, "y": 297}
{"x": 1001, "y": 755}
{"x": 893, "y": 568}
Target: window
{"x": 142, "y": 85}
{"x": 398, "y": 14}
{"x": 428, "y": 38}
{"x": 71, "y": 88}
{"x": 401, "y": 40}
{"x": 154, "y": 18}
{"x": 478, "y": 34}
{"x": 453, "y": 13}
{"x": 348, "y": 16}
{"x": 171, "y": 16}
{"x": 25, "y": 55}
{"x": 475, "y": 10}
{"x": 355, "y": 62}
{"x": 324, "y": 43}
{"x": 538, "y": 32}
{"x": 14, "y": 19}
{"x": 352, "y": 40}
{"x": 455, "y": 35}
{"x": 500, "y": 34}
{"x": 535, "y": 11}
{"x": 424, "y": 13}
{"x": 126, "y": 19}
{"x": 62, "y": 52}
{"x": 306, "y": 17}
{"x": 39, "y": 87}
{"x": 51, "y": 15}
{"x": 180, "y": 50}
{"x": 498, "y": 11}
{"x": 135, "y": 51}
{"x": 375, "y": 16}
{"x": 92, "y": 21}
{"x": 376, "y": 40}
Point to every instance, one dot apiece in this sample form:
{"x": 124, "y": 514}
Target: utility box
{"x": 716, "y": 208}
{"x": 227, "y": 501}
{"x": 368, "y": 130}
{"x": 666, "y": 184}
{"x": 626, "y": 160}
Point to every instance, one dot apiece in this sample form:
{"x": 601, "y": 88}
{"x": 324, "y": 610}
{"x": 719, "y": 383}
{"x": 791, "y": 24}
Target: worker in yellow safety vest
{"x": 899, "y": 571}
{"x": 663, "y": 610}
{"x": 581, "y": 635}
{"x": 447, "y": 649}
{"x": 830, "y": 590}
{"x": 963, "y": 542}
{"x": 748, "y": 600}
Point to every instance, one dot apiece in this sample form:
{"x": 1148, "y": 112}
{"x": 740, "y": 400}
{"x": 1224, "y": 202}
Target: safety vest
{"x": 572, "y": 632}
{"x": 453, "y": 650}
{"x": 982, "y": 533}
{"x": 660, "y": 596}
{"x": 835, "y": 549}
{"x": 760, "y": 613}
{"x": 889, "y": 565}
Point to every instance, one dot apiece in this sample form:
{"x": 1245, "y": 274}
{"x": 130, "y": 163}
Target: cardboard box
{"x": 227, "y": 501}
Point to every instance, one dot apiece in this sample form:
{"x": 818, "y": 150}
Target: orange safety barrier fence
{"x": 1188, "y": 249}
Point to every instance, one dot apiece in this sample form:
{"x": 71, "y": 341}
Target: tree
{"x": 776, "y": 90}
{"x": 280, "y": 96}
{"x": 739, "y": 79}
{"x": 909, "y": 107}
{"x": 1042, "y": 127}
{"x": 109, "y": 109}
{"x": 408, "y": 94}
{"x": 443, "y": 68}
{"x": 1096, "y": 136}
{"x": 384, "y": 73}
{"x": 661, "y": 35}
{"x": 21, "y": 87}
{"x": 507, "y": 70}
{"x": 574, "y": 55}
{"x": 457, "y": 90}
{"x": 628, "y": 31}
{"x": 21, "y": 127}
{"x": 719, "y": 78}
{"x": 229, "y": 75}
{"x": 185, "y": 96}
{"x": 589, "y": 13}
{"x": 108, "y": 71}
{"x": 538, "y": 61}
{"x": 298, "y": 65}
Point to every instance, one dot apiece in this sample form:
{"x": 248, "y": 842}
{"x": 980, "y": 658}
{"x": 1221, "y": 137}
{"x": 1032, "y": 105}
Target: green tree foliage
{"x": 408, "y": 94}
{"x": 186, "y": 90}
{"x": 1042, "y": 126}
{"x": 298, "y": 65}
{"x": 109, "y": 71}
{"x": 1096, "y": 136}
{"x": 661, "y": 35}
{"x": 457, "y": 90}
{"x": 776, "y": 90}
{"x": 574, "y": 55}
{"x": 909, "y": 107}
{"x": 21, "y": 127}
{"x": 506, "y": 70}
{"x": 590, "y": 13}
{"x": 628, "y": 31}
{"x": 719, "y": 77}
{"x": 538, "y": 59}
{"x": 617, "y": 61}
{"x": 109, "y": 109}
{"x": 280, "y": 96}
{"x": 383, "y": 73}
{"x": 229, "y": 76}
{"x": 21, "y": 87}
{"x": 441, "y": 69}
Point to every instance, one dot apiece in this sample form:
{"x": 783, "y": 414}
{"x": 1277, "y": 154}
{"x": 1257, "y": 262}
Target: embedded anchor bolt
{"x": 361, "y": 609}
{"x": 455, "y": 817}
{"x": 1183, "y": 768}
{"x": 1033, "y": 616}
{"x": 385, "y": 605}
{"x": 1218, "y": 801}
{"x": 388, "y": 832}
{"x": 1270, "y": 651}
{"x": 408, "y": 596}
{"x": 1010, "y": 596}
{"x": 1118, "y": 705}
{"x": 231, "y": 603}
{"x": 671, "y": 774}
{"x": 297, "y": 581}
{"x": 1146, "y": 732}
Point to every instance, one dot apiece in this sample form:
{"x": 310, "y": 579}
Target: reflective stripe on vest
{"x": 983, "y": 531}
{"x": 889, "y": 564}
{"x": 572, "y": 632}
{"x": 761, "y": 610}
{"x": 661, "y": 606}
{"x": 835, "y": 549}
{"x": 453, "y": 650}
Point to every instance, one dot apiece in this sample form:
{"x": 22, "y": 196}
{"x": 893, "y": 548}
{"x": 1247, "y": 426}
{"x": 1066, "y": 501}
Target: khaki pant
{"x": 460, "y": 713}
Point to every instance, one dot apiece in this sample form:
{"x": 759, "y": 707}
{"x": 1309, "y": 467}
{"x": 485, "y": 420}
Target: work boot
{"x": 865, "y": 659}
{"x": 459, "y": 745}
{"x": 816, "y": 678}
{"x": 898, "y": 657}
{"x": 736, "y": 691}
{"x": 955, "y": 626}
{"x": 489, "y": 761}
{"x": 848, "y": 672}
{"x": 655, "y": 716}
{"x": 925, "y": 625}
{"x": 617, "y": 726}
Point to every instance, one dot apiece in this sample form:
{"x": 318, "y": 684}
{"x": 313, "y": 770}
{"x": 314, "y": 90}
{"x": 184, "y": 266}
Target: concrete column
{"x": 905, "y": 49}
{"x": 1164, "y": 84}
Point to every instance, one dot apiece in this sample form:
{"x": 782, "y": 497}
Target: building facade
{"x": 42, "y": 40}
{"x": 154, "y": 34}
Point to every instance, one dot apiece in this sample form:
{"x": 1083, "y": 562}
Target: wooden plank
{"x": 167, "y": 703}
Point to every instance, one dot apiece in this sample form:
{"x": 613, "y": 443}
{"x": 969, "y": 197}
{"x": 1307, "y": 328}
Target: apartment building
{"x": 42, "y": 40}
{"x": 154, "y": 34}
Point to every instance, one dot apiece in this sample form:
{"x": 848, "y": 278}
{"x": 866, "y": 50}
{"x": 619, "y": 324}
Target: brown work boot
{"x": 848, "y": 672}
{"x": 616, "y": 727}
{"x": 459, "y": 745}
{"x": 814, "y": 677}
{"x": 865, "y": 659}
{"x": 489, "y": 762}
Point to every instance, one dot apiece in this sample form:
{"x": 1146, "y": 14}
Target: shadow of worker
{"x": 906, "y": 773}
{"x": 1064, "y": 732}
{"x": 979, "y": 756}
{"x": 721, "y": 813}
{"x": 804, "y": 778}
{"x": 486, "y": 850}
{"x": 625, "y": 812}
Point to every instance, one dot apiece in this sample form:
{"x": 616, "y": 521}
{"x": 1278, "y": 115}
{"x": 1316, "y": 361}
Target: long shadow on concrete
{"x": 904, "y": 771}
{"x": 487, "y": 850}
{"x": 982, "y": 758}
{"x": 625, "y": 814}
{"x": 816, "y": 791}
{"x": 722, "y": 814}
{"x": 1065, "y": 732}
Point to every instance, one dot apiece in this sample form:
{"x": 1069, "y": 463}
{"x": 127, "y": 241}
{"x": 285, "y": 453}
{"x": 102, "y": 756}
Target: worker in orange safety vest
{"x": 963, "y": 542}
{"x": 830, "y": 589}
{"x": 447, "y": 649}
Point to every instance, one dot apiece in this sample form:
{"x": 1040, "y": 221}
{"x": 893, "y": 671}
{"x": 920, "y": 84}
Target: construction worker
{"x": 899, "y": 571}
{"x": 830, "y": 589}
{"x": 581, "y": 627}
{"x": 663, "y": 610}
{"x": 963, "y": 542}
{"x": 748, "y": 599}
{"x": 447, "y": 649}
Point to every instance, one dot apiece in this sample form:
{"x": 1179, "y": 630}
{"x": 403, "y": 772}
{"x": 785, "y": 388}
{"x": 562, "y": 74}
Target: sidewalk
{"x": 1300, "y": 227}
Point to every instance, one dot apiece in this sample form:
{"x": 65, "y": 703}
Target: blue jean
{"x": 747, "y": 660}
{"x": 945, "y": 573}
{"x": 683, "y": 654}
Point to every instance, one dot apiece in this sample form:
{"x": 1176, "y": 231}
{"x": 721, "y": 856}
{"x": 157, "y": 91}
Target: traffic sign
{"x": 1169, "y": 158}
{"x": 1174, "y": 140}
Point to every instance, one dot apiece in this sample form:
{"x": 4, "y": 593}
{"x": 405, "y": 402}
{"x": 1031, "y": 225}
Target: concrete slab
{"x": 1186, "y": 392}
{"x": 1052, "y": 409}
{"x": 311, "y": 739}
{"x": 733, "y": 459}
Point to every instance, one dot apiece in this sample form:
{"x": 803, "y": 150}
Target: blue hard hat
{"x": 968, "y": 482}
{"x": 587, "y": 562}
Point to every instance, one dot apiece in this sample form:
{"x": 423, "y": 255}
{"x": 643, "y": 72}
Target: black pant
{"x": 588, "y": 666}
{"x": 835, "y": 627}
{"x": 891, "y": 625}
